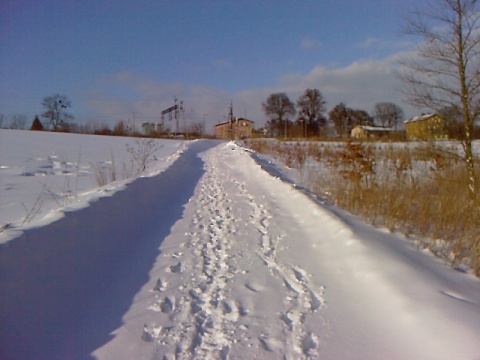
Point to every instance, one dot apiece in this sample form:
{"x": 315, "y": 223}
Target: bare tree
{"x": 311, "y": 107}
{"x": 56, "y": 113}
{"x": 445, "y": 71}
{"x": 453, "y": 117}
{"x": 360, "y": 117}
{"x": 120, "y": 129}
{"x": 197, "y": 129}
{"x": 341, "y": 118}
{"x": 345, "y": 119}
{"x": 18, "y": 122}
{"x": 279, "y": 107}
{"x": 388, "y": 114}
{"x": 143, "y": 153}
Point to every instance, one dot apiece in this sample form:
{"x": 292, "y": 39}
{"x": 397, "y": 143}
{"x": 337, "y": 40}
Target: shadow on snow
{"x": 65, "y": 287}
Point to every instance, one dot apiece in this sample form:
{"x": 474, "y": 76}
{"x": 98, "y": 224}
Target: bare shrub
{"x": 355, "y": 163}
{"x": 143, "y": 153}
{"x": 294, "y": 155}
{"x": 105, "y": 172}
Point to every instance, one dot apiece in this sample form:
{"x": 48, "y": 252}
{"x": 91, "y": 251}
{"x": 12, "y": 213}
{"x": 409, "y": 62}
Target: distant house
{"x": 148, "y": 128}
{"x": 426, "y": 127}
{"x": 237, "y": 128}
{"x": 370, "y": 132}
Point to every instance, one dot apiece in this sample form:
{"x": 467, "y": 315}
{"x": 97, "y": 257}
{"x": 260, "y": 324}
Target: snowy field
{"x": 44, "y": 174}
{"x": 210, "y": 258}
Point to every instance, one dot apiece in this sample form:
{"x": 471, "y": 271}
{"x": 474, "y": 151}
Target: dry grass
{"x": 142, "y": 154}
{"x": 105, "y": 173}
{"x": 420, "y": 191}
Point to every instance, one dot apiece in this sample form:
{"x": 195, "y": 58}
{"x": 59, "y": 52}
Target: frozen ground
{"x": 214, "y": 258}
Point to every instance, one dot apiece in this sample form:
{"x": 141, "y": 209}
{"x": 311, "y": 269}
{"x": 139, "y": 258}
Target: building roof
{"x": 227, "y": 122}
{"x": 375, "y": 128}
{"x": 419, "y": 118}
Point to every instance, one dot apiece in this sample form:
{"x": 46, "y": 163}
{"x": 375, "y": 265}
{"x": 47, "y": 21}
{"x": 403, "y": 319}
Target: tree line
{"x": 443, "y": 75}
{"x": 308, "y": 117}
{"x": 56, "y": 117}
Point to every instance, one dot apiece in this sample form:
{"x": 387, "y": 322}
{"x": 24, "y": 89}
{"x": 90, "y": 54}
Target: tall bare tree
{"x": 445, "y": 71}
{"x": 311, "y": 108}
{"x": 360, "y": 117}
{"x": 279, "y": 108}
{"x": 345, "y": 119}
{"x": 453, "y": 117}
{"x": 55, "y": 110}
{"x": 388, "y": 114}
{"x": 341, "y": 118}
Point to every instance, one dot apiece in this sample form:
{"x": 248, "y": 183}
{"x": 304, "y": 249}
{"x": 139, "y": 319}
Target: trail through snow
{"x": 257, "y": 270}
{"x": 249, "y": 267}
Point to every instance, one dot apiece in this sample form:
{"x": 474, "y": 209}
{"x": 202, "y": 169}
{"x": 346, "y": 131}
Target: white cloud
{"x": 308, "y": 43}
{"x": 373, "y": 42}
{"x": 222, "y": 64}
{"x": 359, "y": 85}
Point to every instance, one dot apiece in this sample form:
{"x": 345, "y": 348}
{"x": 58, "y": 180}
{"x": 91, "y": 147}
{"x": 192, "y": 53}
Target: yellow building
{"x": 236, "y": 129}
{"x": 426, "y": 127}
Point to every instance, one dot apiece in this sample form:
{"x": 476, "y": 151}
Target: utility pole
{"x": 183, "y": 118}
{"x": 231, "y": 120}
{"x": 177, "y": 126}
{"x": 175, "y": 109}
{"x": 134, "y": 127}
{"x": 230, "y": 112}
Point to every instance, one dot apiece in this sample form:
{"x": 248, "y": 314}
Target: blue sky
{"x": 119, "y": 59}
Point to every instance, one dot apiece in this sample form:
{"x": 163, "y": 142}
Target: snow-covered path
{"x": 224, "y": 261}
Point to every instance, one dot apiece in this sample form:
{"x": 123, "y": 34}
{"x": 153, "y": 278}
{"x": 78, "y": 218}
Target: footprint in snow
{"x": 299, "y": 273}
{"x": 252, "y": 286}
{"x": 147, "y": 336}
{"x": 176, "y": 268}
{"x": 309, "y": 344}
{"x": 315, "y": 301}
{"x": 167, "y": 305}
{"x": 160, "y": 285}
{"x": 286, "y": 319}
{"x": 243, "y": 310}
{"x": 230, "y": 310}
{"x": 270, "y": 344}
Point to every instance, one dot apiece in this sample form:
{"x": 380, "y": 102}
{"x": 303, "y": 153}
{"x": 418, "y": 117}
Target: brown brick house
{"x": 235, "y": 129}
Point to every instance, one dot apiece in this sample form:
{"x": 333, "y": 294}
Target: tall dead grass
{"x": 420, "y": 191}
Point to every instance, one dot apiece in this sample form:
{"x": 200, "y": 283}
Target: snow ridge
{"x": 302, "y": 298}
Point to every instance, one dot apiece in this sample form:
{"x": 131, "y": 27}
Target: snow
{"x": 44, "y": 174}
{"x": 216, "y": 258}
{"x": 419, "y": 118}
